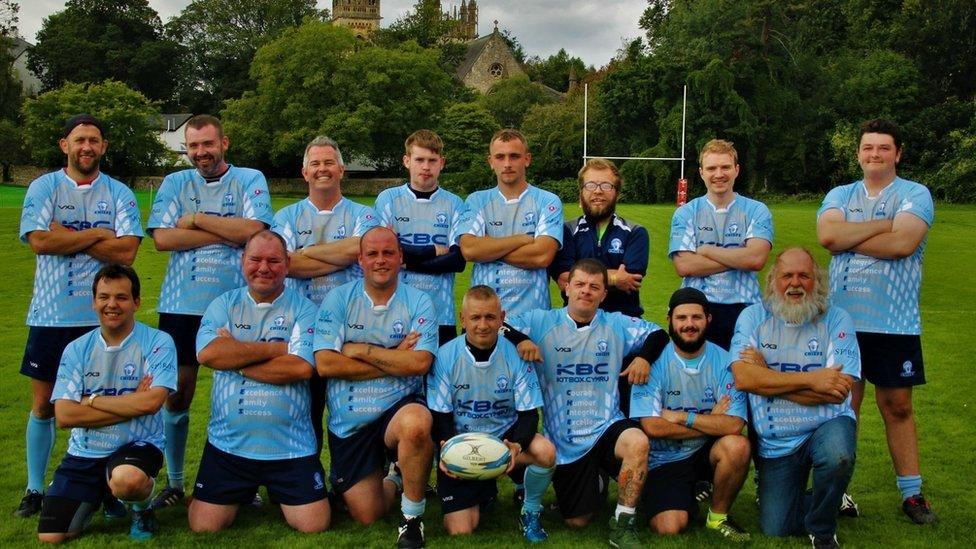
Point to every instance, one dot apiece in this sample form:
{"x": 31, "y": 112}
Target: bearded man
{"x": 798, "y": 359}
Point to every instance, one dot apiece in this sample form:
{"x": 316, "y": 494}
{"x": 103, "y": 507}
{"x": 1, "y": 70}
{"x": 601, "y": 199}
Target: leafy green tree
{"x": 510, "y": 99}
{"x": 555, "y": 135}
{"x": 556, "y": 70}
{"x": 466, "y": 129}
{"x": 128, "y": 116}
{"x": 220, "y": 38}
{"x": 95, "y": 40}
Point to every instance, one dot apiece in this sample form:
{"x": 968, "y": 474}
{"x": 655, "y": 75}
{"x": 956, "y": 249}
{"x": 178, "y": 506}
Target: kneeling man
{"x": 258, "y": 341}
{"x": 110, "y": 387}
{"x": 798, "y": 358}
{"x": 479, "y": 371}
{"x": 694, "y": 416}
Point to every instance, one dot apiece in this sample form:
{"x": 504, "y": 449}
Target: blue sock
{"x": 177, "y": 427}
{"x": 40, "y": 442}
{"x": 910, "y": 486}
{"x": 139, "y": 506}
{"x": 412, "y": 509}
{"x": 537, "y": 479}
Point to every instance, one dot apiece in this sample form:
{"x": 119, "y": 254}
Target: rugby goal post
{"x": 682, "y": 182}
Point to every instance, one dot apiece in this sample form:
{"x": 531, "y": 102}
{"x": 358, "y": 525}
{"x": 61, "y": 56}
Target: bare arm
{"x": 481, "y": 249}
{"x": 331, "y": 364}
{"x": 393, "y": 362}
{"x": 713, "y": 424}
{"x": 809, "y": 397}
{"x": 751, "y": 257}
{"x": 231, "y": 229}
{"x": 227, "y": 353}
{"x": 115, "y": 250}
{"x": 907, "y": 232}
{"x": 341, "y": 253}
{"x": 658, "y": 427}
{"x": 69, "y": 414}
{"x": 693, "y": 264}
{"x": 838, "y": 235}
{"x": 62, "y": 241}
{"x": 280, "y": 370}
{"x": 752, "y": 375}
{"x": 177, "y": 240}
{"x": 129, "y": 405}
{"x": 537, "y": 255}
{"x": 303, "y": 266}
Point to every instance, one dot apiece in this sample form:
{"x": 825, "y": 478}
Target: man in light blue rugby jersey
{"x": 258, "y": 341}
{"x": 203, "y": 216}
{"x": 374, "y": 341}
{"x": 582, "y": 348}
{"x": 512, "y": 231}
{"x": 876, "y": 229}
{"x": 694, "y": 416}
{"x": 75, "y": 220}
{"x": 478, "y": 383}
{"x": 322, "y": 233}
{"x": 426, "y": 219}
{"x": 798, "y": 360}
{"x": 111, "y": 384}
{"x": 720, "y": 241}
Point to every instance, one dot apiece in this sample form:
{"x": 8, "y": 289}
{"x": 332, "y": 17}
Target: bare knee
{"x": 733, "y": 449}
{"x": 896, "y": 408}
{"x": 578, "y": 522}
{"x": 416, "y": 425}
{"x": 54, "y": 537}
{"x": 129, "y": 483}
{"x": 669, "y": 523}
{"x": 543, "y": 451}
{"x": 310, "y": 524}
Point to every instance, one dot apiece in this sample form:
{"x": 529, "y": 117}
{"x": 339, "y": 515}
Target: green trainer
{"x": 623, "y": 532}
{"x": 729, "y": 530}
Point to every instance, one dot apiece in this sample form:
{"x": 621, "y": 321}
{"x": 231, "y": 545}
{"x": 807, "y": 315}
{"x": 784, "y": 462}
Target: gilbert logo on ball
{"x": 475, "y": 456}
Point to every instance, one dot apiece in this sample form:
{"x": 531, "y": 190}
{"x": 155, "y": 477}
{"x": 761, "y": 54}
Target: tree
{"x": 10, "y": 92}
{"x": 220, "y": 38}
{"x": 95, "y": 40}
{"x": 127, "y": 115}
{"x": 466, "y": 129}
{"x": 319, "y": 79}
{"x": 510, "y": 99}
{"x": 556, "y": 70}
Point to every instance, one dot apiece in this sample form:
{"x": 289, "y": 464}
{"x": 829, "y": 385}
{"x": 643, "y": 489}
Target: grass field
{"x": 947, "y": 422}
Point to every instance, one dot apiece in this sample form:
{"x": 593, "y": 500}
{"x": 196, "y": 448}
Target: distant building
{"x": 361, "y": 16}
{"x": 488, "y": 61}
{"x": 170, "y": 128}
{"x": 29, "y": 82}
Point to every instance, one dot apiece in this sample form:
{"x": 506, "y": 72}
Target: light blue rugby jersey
{"x": 62, "y": 283}
{"x": 880, "y": 294}
{"x": 536, "y": 212}
{"x": 196, "y": 277}
{"x": 89, "y": 366}
{"x": 425, "y": 222}
{"x": 673, "y": 386}
{"x": 829, "y": 341}
{"x": 249, "y": 418}
{"x": 302, "y": 225}
{"x": 484, "y": 397}
{"x": 348, "y": 315}
{"x": 579, "y": 374}
{"x": 698, "y": 223}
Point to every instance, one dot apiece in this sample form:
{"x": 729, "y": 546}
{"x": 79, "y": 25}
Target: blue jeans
{"x": 785, "y": 506}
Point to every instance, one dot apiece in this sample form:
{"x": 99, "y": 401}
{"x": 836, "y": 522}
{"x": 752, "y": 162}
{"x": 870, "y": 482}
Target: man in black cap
{"x": 76, "y": 220}
{"x": 693, "y": 414}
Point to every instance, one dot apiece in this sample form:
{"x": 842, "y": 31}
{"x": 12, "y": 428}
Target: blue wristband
{"x": 690, "y": 422}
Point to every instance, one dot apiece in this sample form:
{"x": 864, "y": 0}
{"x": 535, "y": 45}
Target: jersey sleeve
{"x": 439, "y": 381}
{"x": 919, "y": 203}
{"x": 528, "y": 393}
{"x": 330, "y": 322}
{"x": 302, "y": 333}
{"x": 635, "y": 331}
{"x": 384, "y": 208}
{"x": 424, "y": 322}
{"x": 550, "y": 218}
{"x": 257, "y": 202}
{"x": 460, "y": 213}
{"x": 127, "y": 217}
{"x": 473, "y": 218}
{"x": 682, "y": 237}
{"x": 166, "y": 209}
{"x": 647, "y": 400}
{"x": 638, "y": 251}
{"x": 746, "y": 328}
{"x": 843, "y": 352}
{"x": 38, "y": 210}
{"x": 161, "y": 361}
{"x": 283, "y": 226}
{"x": 836, "y": 199}
{"x": 365, "y": 221}
{"x": 69, "y": 384}
{"x": 527, "y": 323}
{"x": 215, "y": 318}
{"x": 737, "y": 399}
{"x": 760, "y": 223}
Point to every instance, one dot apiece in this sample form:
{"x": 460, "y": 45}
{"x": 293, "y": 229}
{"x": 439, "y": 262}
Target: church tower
{"x": 361, "y": 16}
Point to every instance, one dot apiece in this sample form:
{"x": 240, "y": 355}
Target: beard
{"x": 598, "y": 213}
{"x": 688, "y": 346}
{"x": 808, "y": 308}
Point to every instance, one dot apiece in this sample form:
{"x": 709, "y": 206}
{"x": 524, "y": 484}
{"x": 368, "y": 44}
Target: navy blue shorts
{"x": 458, "y": 494}
{"x": 183, "y": 329}
{"x": 581, "y": 486}
{"x": 671, "y": 487}
{"x": 363, "y": 453}
{"x": 80, "y": 484}
{"x": 45, "y": 344}
{"x": 891, "y": 360}
{"x": 226, "y": 479}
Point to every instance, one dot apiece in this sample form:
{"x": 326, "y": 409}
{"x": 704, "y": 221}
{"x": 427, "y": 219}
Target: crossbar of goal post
{"x": 682, "y": 182}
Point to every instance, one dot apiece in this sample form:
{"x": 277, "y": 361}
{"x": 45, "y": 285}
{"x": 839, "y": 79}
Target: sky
{"x": 590, "y": 30}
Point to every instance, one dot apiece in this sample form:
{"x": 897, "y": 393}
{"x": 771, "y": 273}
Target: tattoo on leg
{"x": 630, "y": 483}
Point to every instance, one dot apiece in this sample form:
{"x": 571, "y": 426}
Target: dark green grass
{"x": 944, "y": 409}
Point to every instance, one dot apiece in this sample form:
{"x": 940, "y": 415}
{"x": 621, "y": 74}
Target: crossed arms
{"x": 264, "y": 361}
{"x": 823, "y": 386}
{"x": 109, "y": 410}
{"x": 363, "y": 361}
{"x": 194, "y": 230}
{"x": 879, "y": 238}
{"x": 519, "y": 250}
{"x": 709, "y": 259}
{"x": 100, "y": 243}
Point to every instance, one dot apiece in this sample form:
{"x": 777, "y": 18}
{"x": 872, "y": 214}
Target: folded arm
{"x": 836, "y": 234}
{"x": 280, "y": 370}
{"x": 62, "y": 241}
{"x": 227, "y": 353}
{"x": 178, "y": 240}
{"x": 330, "y": 364}
{"x": 303, "y": 266}
{"x": 907, "y": 232}
{"x": 482, "y": 249}
{"x": 393, "y": 362}
{"x": 693, "y": 264}
{"x": 536, "y": 255}
{"x": 751, "y": 257}
{"x": 232, "y": 229}
{"x": 342, "y": 252}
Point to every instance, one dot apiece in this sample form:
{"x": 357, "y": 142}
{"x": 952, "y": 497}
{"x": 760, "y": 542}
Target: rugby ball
{"x": 475, "y": 456}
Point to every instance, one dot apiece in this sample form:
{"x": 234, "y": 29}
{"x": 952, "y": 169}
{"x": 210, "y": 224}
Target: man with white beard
{"x": 798, "y": 359}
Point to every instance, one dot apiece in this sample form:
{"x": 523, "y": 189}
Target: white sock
{"x": 624, "y": 509}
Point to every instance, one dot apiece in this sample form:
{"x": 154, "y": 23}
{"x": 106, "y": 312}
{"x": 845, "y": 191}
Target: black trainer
{"x": 411, "y": 533}
{"x": 919, "y": 510}
{"x": 30, "y": 504}
{"x": 825, "y": 542}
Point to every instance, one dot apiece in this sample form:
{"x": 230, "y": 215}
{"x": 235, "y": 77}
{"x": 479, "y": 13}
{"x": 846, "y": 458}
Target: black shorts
{"x": 183, "y": 329}
{"x": 671, "y": 487}
{"x": 80, "y": 484}
{"x": 458, "y": 494}
{"x": 363, "y": 453}
{"x": 722, "y": 327}
{"x": 42, "y": 354}
{"x": 226, "y": 479}
{"x": 581, "y": 486}
{"x": 891, "y": 360}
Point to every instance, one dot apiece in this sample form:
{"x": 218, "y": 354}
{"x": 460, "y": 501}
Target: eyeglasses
{"x": 603, "y": 186}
